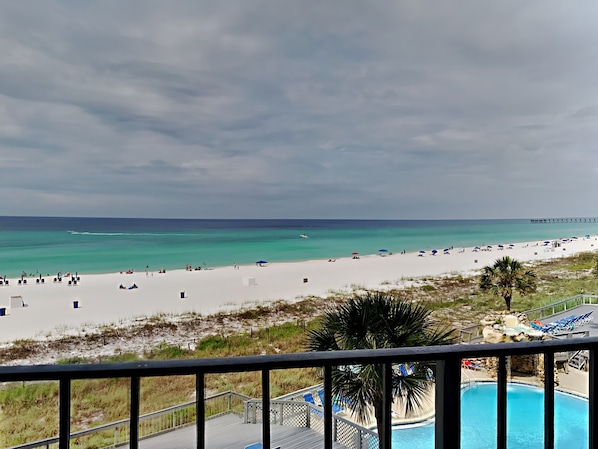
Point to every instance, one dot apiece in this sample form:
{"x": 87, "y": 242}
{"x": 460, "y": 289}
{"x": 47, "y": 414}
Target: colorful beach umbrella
{"x": 354, "y": 253}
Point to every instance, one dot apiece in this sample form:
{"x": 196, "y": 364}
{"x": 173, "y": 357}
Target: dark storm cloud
{"x": 286, "y": 109}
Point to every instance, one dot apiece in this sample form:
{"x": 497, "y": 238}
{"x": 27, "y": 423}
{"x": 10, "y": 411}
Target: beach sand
{"x": 50, "y": 311}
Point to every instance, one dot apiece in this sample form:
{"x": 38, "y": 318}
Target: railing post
{"x": 448, "y": 404}
{"x": 501, "y": 409}
{"x": 593, "y": 407}
{"x": 64, "y": 429}
{"x": 266, "y": 408}
{"x": 549, "y": 400}
{"x": 386, "y": 439}
{"x": 327, "y": 407}
{"x": 134, "y": 414}
{"x": 200, "y": 412}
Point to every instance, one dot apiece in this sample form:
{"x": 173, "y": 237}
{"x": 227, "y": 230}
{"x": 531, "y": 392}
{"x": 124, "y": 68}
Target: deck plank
{"x": 229, "y": 432}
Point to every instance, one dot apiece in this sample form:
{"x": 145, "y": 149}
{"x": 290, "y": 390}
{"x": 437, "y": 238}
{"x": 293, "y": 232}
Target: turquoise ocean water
{"x": 100, "y": 245}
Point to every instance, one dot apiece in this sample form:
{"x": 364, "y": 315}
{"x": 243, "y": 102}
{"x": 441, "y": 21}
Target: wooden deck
{"x": 229, "y": 432}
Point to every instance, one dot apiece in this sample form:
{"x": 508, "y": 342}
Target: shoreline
{"x": 50, "y": 311}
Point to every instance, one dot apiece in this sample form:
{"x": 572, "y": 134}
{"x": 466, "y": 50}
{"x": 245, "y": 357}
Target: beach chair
{"x": 335, "y": 407}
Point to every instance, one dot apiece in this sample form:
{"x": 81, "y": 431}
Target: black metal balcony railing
{"x": 448, "y": 384}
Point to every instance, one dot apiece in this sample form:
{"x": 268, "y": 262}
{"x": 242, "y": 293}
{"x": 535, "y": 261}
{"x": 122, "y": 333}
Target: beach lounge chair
{"x": 335, "y": 407}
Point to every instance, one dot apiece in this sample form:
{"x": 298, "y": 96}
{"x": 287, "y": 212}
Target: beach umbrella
{"x": 382, "y": 250}
{"x": 354, "y": 253}
{"x": 261, "y": 262}
{"x": 511, "y": 245}
{"x": 546, "y": 242}
{"x": 421, "y": 251}
{"x": 501, "y": 246}
{"x": 434, "y": 251}
{"x": 445, "y": 250}
{"x": 489, "y": 247}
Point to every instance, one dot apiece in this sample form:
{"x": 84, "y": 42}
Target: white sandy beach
{"x": 50, "y": 313}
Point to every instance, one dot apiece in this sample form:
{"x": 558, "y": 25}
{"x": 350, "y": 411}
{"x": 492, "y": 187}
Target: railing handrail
{"x": 123, "y": 422}
{"x": 280, "y": 361}
{"x": 448, "y": 369}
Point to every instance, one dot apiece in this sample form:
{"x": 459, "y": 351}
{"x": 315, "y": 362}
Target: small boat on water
{"x": 303, "y": 236}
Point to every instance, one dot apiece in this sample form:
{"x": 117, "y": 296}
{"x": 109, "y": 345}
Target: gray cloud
{"x": 468, "y": 109}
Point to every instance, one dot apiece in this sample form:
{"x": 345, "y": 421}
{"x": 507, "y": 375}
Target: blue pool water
{"x": 525, "y": 421}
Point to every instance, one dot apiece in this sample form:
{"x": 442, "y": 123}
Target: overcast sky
{"x": 299, "y": 109}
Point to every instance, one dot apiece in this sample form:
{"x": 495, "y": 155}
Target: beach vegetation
{"x": 428, "y": 288}
{"x": 165, "y": 351}
{"x": 76, "y": 360}
{"x": 378, "y": 320}
{"x": 506, "y": 276}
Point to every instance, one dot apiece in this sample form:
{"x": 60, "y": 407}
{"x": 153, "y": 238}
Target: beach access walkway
{"x": 229, "y": 432}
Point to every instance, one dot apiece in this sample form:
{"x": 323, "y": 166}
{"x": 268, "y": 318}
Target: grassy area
{"x": 29, "y": 410}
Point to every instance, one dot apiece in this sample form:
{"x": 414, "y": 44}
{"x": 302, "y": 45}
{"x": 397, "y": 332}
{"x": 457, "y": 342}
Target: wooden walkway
{"x": 229, "y": 432}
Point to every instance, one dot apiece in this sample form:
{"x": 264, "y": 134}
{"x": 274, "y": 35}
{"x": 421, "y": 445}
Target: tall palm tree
{"x": 378, "y": 320}
{"x": 505, "y": 276}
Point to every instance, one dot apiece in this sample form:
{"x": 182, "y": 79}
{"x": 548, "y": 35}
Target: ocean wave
{"x": 112, "y": 234}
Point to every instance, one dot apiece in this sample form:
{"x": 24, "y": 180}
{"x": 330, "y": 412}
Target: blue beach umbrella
{"x": 421, "y": 252}
{"x": 434, "y": 251}
{"x": 261, "y": 262}
{"x": 382, "y": 250}
{"x": 501, "y": 246}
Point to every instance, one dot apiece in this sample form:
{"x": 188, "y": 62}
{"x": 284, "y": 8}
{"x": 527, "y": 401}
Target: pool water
{"x": 525, "y": 420}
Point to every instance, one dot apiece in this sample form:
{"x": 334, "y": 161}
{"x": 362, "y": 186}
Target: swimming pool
{"x": 525, "y": 420}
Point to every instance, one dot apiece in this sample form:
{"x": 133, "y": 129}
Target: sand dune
{"x": 50, "y": 313}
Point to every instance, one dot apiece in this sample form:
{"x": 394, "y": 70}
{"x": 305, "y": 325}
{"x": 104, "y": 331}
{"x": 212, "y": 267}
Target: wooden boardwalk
{"x": 229, "y": 432}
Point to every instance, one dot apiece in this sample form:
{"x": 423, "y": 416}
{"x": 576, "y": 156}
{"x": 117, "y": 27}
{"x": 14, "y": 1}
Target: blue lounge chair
{"x": 335, "y": 407}
{"x": 309, "y": 397}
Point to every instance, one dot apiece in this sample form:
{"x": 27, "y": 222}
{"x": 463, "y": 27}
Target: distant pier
{"x": 563, "y": 220}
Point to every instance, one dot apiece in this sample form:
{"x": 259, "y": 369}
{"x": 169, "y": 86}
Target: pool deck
{"x": 229, "y": 432}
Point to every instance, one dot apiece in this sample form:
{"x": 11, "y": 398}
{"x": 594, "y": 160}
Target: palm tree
{"x": 373, "y": 321}
{"x": 505, "y": 276}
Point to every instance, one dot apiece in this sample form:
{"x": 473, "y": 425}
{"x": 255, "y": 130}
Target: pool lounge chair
{"x": 335, "y": 407}
{"x": 470, "y": 364}
{"x": 309, "y": 397}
